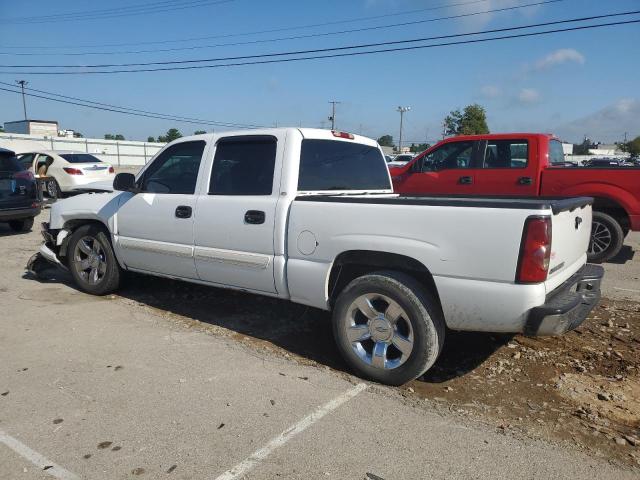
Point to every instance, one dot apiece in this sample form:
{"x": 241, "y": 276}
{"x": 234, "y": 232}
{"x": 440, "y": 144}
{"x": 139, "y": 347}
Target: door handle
{"x": 465, "y": 180}
{"x": 525, "y": 181}
{"x": 183, "y": 211}
{"x": 254, "y": 217}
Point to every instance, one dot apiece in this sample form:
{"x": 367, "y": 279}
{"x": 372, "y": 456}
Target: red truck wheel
{"x": 606, "y": 240}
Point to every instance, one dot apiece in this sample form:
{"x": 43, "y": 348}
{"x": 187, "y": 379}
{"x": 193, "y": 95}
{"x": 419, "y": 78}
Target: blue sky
{"x": 571, "y": 84}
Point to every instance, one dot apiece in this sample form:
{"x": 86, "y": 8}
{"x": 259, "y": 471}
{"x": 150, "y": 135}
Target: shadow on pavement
{"x": 301, "y": 330}
{"x": 625, "y": 255}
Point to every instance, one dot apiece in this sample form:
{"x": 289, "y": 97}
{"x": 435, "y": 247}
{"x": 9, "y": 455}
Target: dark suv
{"x": 20, "y": 197}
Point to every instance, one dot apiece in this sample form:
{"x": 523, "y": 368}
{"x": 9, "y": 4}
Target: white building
{"x": 45, "y": 128}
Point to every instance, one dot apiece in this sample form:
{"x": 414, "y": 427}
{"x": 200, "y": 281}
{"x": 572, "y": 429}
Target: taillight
{"x": 24, "y": 175}
{"x": 535, "y": 251}
{"x": 342, "y": 135}
{"x": 72, "y": 171}
{"x": 111, "y": 170}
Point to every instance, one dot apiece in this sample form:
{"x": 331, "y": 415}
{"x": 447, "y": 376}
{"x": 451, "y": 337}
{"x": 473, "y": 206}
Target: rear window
{"x": 9, "y": 163}
{"x": 335, "y": 165}
{"x": 79, "y": 158}
{"x": 556, "y": 153}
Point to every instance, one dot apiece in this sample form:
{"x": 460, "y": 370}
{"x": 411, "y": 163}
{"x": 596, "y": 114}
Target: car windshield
{"x": 79, "y": 158}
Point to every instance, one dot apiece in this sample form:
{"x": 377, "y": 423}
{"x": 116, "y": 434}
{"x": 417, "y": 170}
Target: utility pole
{"x": 333, "y": 113}
{"x": 402, "y": 111}
{"x": 22, "y": 83}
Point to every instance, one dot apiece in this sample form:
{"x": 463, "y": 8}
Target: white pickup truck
{"x": 310, "y": 216}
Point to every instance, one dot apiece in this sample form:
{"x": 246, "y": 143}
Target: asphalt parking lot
{"x": 137, "y": 386}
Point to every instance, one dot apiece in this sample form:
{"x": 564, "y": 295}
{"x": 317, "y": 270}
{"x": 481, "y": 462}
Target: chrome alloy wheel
{"x": 52, "y": 191}
{"x": 600, "y": 238}
{"x": 89, "y": 260}
{"x": 379, "y": 330}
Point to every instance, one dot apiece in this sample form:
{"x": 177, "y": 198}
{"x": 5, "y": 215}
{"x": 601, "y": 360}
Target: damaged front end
{"x": 52, "y": 250}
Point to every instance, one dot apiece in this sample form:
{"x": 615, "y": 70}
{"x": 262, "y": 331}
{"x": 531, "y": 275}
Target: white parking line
{"x": 626, "y": 289}
{"x": 37, "y": 459}
{"x": 256, "y": 457}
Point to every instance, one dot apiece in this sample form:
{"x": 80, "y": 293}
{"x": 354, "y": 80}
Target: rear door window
{"x": 9, "y": 164}
{"x": 506, "y": 154}
{"x": 243, "y": 166}
{"x": 334, "y": 165}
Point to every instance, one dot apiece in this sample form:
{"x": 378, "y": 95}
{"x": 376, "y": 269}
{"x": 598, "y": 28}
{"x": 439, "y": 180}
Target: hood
{"x": 88, "y": 206}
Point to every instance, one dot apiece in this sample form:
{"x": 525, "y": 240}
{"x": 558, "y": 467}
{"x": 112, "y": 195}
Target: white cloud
{"x": 528, "y": 96}
{"x": 559, "y": 57}
{"x": 490, "y": 91}
{"x": 607, "y": 124}
{"x": 484, "y": 18}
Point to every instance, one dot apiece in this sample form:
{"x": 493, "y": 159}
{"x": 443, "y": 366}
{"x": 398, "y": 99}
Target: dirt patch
{"x": 583, "y": 387}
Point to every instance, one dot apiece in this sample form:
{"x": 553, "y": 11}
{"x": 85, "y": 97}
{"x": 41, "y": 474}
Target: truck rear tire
{"x": 606, "y": 240}
{"x": 91, "y": 261}
{"x": 388, "y": 327}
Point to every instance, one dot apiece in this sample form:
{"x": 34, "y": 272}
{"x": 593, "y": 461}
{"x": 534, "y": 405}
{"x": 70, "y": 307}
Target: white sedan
{"x": 63, "y": 171}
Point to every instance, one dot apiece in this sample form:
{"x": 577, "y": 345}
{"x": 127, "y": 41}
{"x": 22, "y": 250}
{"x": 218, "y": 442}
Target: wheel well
{"x": 73, "y": 225}
{"x": 613, "y": 208}
{"x": 355, "y": 263}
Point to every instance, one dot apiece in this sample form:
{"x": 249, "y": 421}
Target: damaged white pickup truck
{"x": 310, "y": 216}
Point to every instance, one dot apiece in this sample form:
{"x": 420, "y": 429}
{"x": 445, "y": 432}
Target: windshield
{"x": 334, "y": 165}
{"x": 79, "y": 158}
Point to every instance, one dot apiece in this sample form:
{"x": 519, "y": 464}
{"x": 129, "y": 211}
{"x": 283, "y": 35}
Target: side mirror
{"x": 125, "y": 182}
{"x": 417, "y": 165}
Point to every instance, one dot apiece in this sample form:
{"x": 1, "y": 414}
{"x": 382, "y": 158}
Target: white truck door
{"x": 235, "y": 215}
{"x": 155, "y": 227}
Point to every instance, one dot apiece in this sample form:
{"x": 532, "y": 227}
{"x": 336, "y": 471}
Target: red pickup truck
{"x": 528, "y": 164}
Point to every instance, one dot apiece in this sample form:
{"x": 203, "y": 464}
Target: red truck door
{"x": 448, "y": 169}
{"x": 508, "y": 167}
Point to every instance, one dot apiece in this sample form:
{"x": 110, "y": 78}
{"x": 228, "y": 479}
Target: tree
{"x": 111, "y": 136}
{"x": 582, "y": 148}
{"x": 471, "y": 121}
{"x": 151, "y": 139}
{"x": 633, "y": 147}
{"x": 452, "y": 123}
{"x": 386, "y": 141}
{"x": 172, "y": 134}
{"x": 199, "y": 132}
{"x": 421, "y": 147}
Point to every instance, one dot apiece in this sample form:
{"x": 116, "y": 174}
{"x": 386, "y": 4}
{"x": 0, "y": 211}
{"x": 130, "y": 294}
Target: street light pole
{"x": 402, "y": 111}
{"x": 22, "y": 83}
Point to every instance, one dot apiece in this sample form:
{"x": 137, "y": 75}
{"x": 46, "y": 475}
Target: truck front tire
{"x": 606, "y": 239}
{"x": 91, "y": 260}
{"x": 388, "y": 327}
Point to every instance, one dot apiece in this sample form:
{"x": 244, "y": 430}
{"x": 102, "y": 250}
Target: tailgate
{"x": 571, "y": 230}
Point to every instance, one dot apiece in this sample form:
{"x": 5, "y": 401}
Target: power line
{"x": 296, "y": 37}
{"x": 133, "y": 112}
{"x": 321, "y": 50}
{"x": 259, "y": 32}
{"x": 338, "y": 55}
{"x": 113, "y": 13}
{"x": 173, "y": 117}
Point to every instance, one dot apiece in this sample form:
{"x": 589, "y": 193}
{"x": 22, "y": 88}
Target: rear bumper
{"x": 568, "y": 305}
{"x": 18, "y": 213}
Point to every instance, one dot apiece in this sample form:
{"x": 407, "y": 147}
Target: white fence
{"x": 115, "y": 152}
